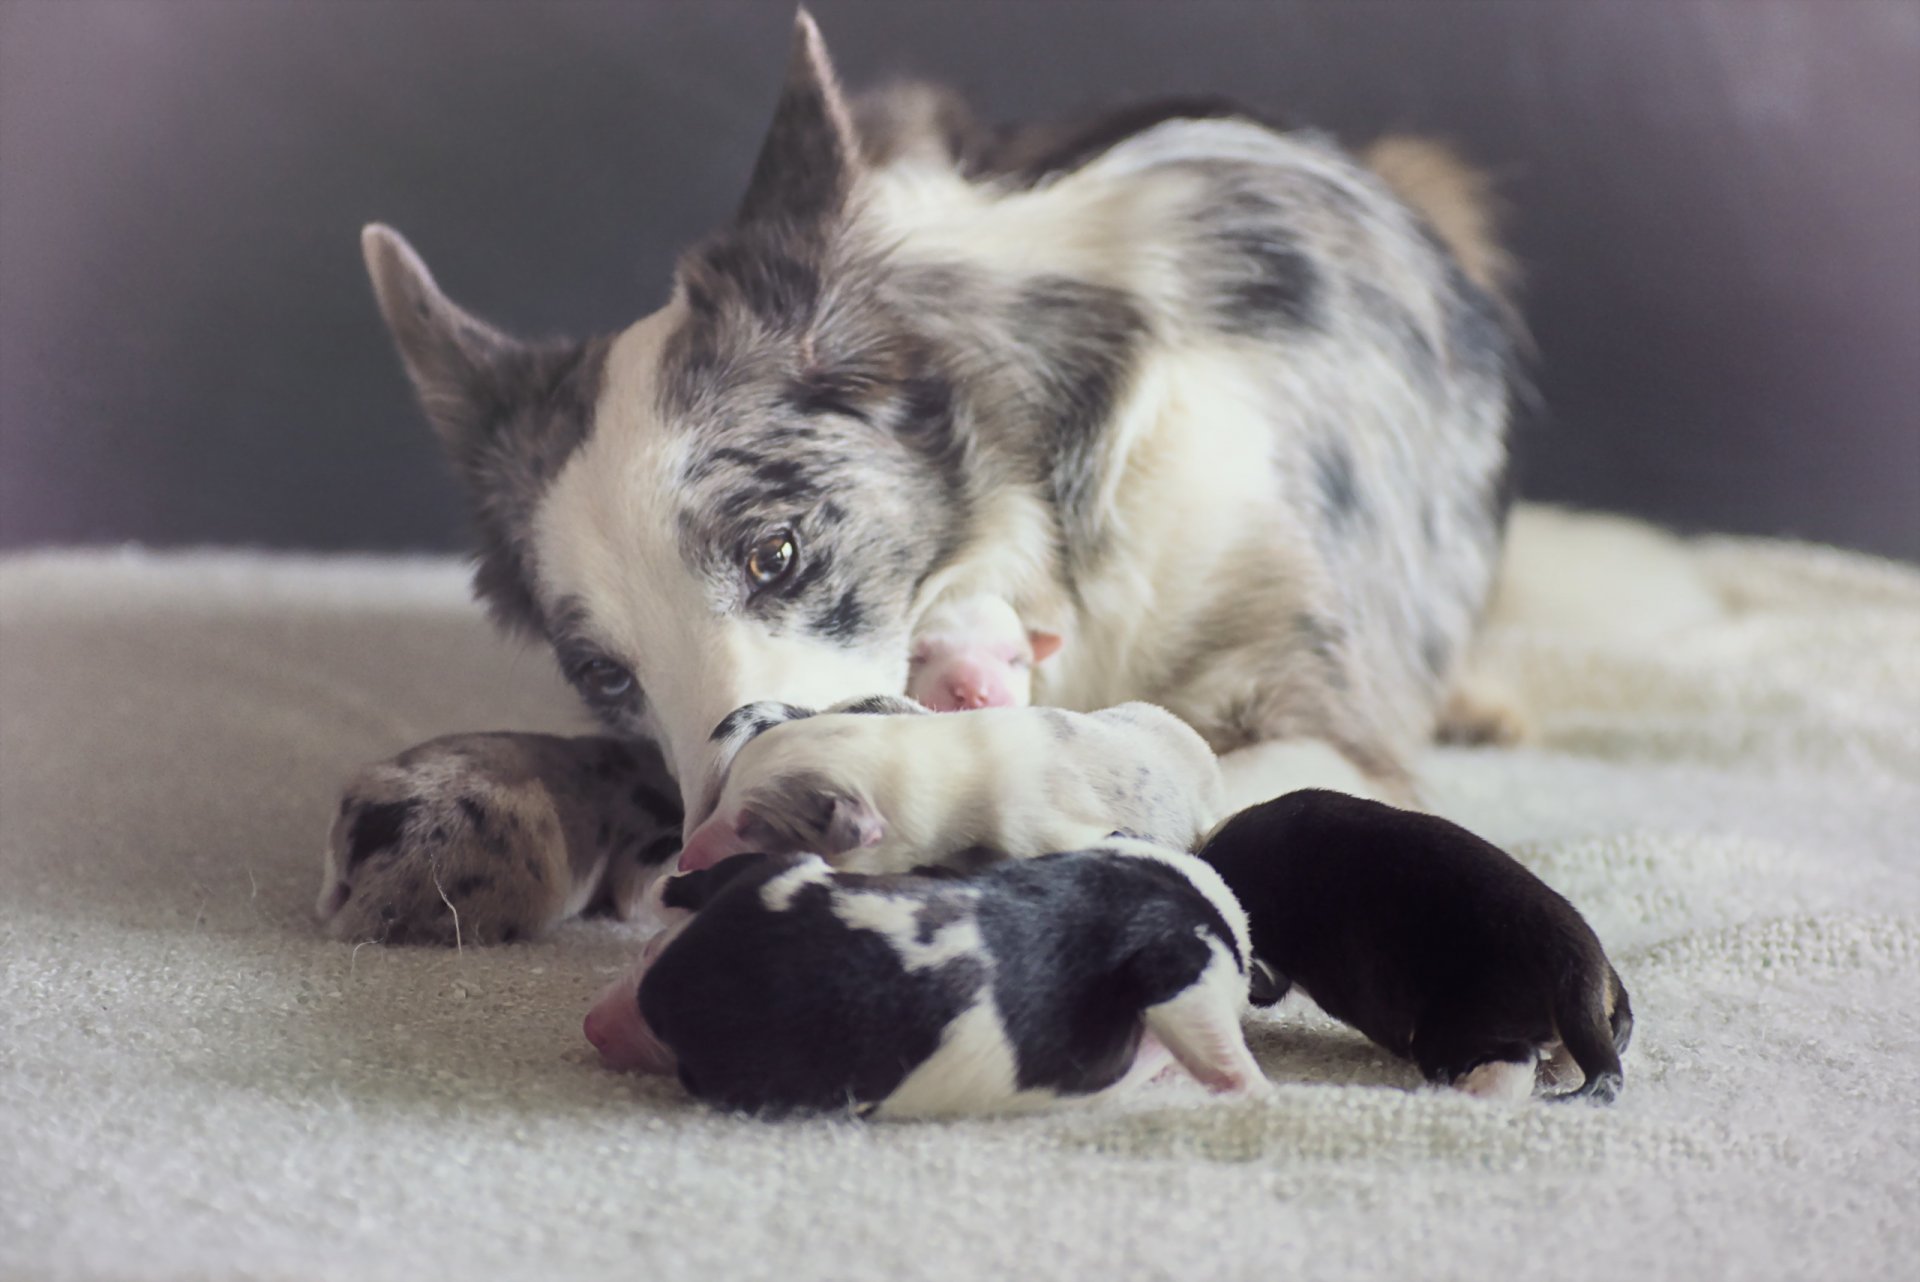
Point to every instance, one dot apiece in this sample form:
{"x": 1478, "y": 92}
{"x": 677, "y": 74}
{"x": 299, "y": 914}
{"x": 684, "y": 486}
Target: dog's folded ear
{"x": 808, "y": 162}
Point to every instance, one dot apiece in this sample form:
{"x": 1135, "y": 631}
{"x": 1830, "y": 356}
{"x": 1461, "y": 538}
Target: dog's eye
{"x": 771, "y": 559}
{"x": 604, "y": 679}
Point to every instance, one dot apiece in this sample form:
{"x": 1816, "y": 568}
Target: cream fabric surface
{"x": 194, "y": 1084}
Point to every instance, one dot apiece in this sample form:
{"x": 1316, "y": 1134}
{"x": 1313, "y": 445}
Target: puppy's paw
{"x": 1482, "y": 712}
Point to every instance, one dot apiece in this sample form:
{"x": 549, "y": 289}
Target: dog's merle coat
{"x": 1206, "y": 397}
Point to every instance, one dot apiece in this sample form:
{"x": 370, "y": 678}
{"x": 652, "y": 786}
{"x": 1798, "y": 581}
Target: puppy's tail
{"x": 1456, "y": 200}
{"x": 1596, "y": 1023}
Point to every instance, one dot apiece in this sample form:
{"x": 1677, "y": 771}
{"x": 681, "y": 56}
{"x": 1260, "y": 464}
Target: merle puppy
{"x": 490, "y": 838}
{"x": 794, "y": 988}
{"x": 1434, "y": 943}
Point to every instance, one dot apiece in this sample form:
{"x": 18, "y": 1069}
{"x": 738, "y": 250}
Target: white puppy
{"x": 975, "y": 652}
{"x": 879, "y": 785}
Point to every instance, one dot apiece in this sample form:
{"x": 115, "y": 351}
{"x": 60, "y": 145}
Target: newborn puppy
{"x": 974, "y": 652}
{"x": 795, "y": 988}
{"x": 1435, "y": 944}
{"x": 879, "y": 785}
{"x": 489, "y": 838}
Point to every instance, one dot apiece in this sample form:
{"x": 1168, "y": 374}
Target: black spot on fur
{"x": 845, "y": 621}
{"x": 938, "y": 872}
{"x": 975, "y": 859}
{"x": 377, "y": 827}
{"x": 1325, "y": 639}
{"x": 1276, "y": 290}
{"x": 767, "y": 276}
{"x": 1031, "y": 154}
{"x": 1061, "y": 725}
{"x": 1334, "y": 477}
{"x": 1407, "y": 334}
{"x": 1479, "y": 330}
{"x": 659, "y": 850}
{"x": 710, "y": 462}
{"x": 464, "y": 887}
{"x": 753, "y": 719}
{"x": 816, "y": 566}
{"x": 605, "y": 834}
{"x": 924, "y": 420}
{"x": 784, "y": 481}
{"x": 1256, "y": 280}
{"x": 535, "y": 873}
{"x": 656, "y": 805}
{"x": 1503, "y": 491}
{"x": 475, "y": 812}
{"x": 1083, "y": 339}
{"x": 881, "y": 705}
{"x": 829, "y": 392}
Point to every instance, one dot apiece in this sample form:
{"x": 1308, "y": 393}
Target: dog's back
{"x": 1217, "y": 402}
{"x": 1264, "y": 386}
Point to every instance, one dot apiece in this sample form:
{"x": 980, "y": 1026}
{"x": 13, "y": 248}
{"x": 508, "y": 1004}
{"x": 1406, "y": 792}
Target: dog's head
{"x": 742, "y": 496}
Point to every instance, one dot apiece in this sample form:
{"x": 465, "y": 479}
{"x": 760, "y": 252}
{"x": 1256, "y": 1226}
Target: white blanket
{"x": 193, "y": 1084}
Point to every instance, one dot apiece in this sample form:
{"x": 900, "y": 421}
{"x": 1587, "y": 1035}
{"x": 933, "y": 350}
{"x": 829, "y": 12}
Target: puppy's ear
{"x": 809, "y": 160}
{"x": 852, "y": 824}
{"x": 454, "y": 359}
{"x": 1045, "y": 645}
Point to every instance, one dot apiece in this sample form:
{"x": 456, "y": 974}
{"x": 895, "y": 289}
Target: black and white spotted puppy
{"x": 489, "y": 838}
{"x": 1436, "y": 944}
{"x": 882, "y": 785}
{"x": 795, "y": 988}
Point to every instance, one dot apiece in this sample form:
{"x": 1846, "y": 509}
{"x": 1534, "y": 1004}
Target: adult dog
{"x": 1222, "y": 404}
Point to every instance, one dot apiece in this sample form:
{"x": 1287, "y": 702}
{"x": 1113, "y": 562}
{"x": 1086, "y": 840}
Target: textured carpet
{"x": 193, "y": 1084}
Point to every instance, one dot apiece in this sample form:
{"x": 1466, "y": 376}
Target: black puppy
{"x": 1434, "y": 943}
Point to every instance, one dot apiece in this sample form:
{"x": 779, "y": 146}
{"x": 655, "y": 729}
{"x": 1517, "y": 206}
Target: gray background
{"x": 1718, "y": 202}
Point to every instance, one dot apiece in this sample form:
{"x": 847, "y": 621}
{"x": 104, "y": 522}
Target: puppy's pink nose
{"x": 964, "y": 694}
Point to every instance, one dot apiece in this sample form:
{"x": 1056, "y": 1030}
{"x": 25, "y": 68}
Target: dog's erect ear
{"x": 453, "y": 358}
{"x": 807, "y": 163}
{"x": 508, "y": 413}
